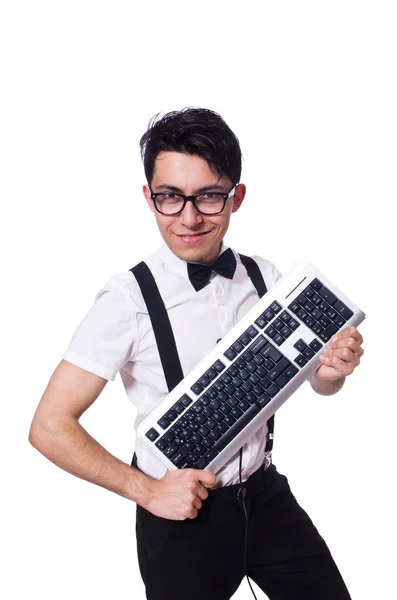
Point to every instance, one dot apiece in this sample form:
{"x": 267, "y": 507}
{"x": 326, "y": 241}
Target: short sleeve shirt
{"x": 116, "y": 336}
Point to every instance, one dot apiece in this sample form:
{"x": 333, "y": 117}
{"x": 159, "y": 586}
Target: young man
{"x": 190, "y": 525}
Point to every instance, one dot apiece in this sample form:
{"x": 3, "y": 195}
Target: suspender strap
{"x": 163, "y": 331}
{"x": 258, "y": 281}
{"x": 161, "y": 325}
{"x": 254, "y": 274}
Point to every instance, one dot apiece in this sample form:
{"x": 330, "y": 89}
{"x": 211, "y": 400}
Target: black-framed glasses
{"x": 206, "y": 203}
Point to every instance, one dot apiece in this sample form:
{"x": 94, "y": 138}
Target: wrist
{"x": 141, "y": 488}
{"x": 326, "y": 387}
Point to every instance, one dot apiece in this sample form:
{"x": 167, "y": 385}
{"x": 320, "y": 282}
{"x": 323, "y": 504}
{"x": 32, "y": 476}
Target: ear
{"x": 239, "y": 196}
{"x": 146, "y": 193}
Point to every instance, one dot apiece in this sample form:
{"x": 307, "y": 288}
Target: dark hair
{"x": 197, "y": 131}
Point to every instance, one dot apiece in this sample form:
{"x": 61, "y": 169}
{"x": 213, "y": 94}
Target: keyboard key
{"x": 316, "y": 284}
{"x": 219, "y": 385}
{"x": 315, "y": 345}
{"x": 197, "y": 388}
{"x": 316, "y": 299}
{"x": 201, "y": 463}
{"x": 271, "y": 331}
{"x": 272, "y": 390}
{"x": 316, "y": 314}
{"x": 285, "y": 317}
{"x": 168, "y": 452}
{"x": 237, "y": 347}
{"x": 339, "y": 321}
{"x": 263, "y": 400}
{"x": 205, "y": 400}
{"x": 163, "y": 422}
{"x": 240, "y": 363}
{"x": 210, "y": 455}
{"x": 268, "y": 314}
{"x": 291, "y": 371}
{"x": 186, "y": 401}
{"x": 343, "y": 310}
{"x": 275, "y": 307}
{"x": 327, "y": 295}
{"x": 293, "y": 324}
{"x": 261, "y": 322}
{"x": 225, "y": 378}
{"x": 204, "y": 381}
{"x": 244, "y": 339}
{"x": 258, "y": 344}
{"x": 230, "y": 353}
{"x": 308, "y": 353}
{"x": 301, "y": 360}
{"x": 218, "y": 366}
{"x": 278, "y": 369}
{"x": 251, "y": 331}
{"x": 308, "y": 292}
{"x": 171, "y": 415}
{"x": 178, "y": 408}
{"x": 162, "y": 444}
{"x": 211, "y": 374}
{"x": 179, "y": 456}
{"x": 237, "y": 427}
{"x": 279, "y": 339}
{"x": 281, "y": 381}
{"x": 300, "y": 345}
{"x": 309, "y": 321}
{"x": 222, "y": 427}
{"x": 152, "y": 434}
{"x": 286, "y": 332}
{"x": 294, "y": 307}
{"x": 278, "y": 324}
{"x": 302, "y": 314}
{"x": 328, "y": 332}
{"x": 324, "y": 321}
{"x": 270, "y": 352}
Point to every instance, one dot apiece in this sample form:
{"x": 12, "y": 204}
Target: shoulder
{"x": 268, "y": 269}
{"x": 123, "y": 286}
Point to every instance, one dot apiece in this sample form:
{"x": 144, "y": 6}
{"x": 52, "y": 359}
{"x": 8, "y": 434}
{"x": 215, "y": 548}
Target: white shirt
{"x": 116, "y": 335}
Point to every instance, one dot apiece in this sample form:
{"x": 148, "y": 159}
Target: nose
{"x": 190, "y": 217}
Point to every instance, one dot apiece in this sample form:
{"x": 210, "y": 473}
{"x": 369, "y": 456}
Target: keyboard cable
{"x": 241, "y": 494}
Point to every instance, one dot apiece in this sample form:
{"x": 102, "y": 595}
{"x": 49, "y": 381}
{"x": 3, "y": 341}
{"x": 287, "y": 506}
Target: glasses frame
{"x": 192, "y": 199}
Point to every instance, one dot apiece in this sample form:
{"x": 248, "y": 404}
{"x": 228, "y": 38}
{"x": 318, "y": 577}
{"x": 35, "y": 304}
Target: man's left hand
{"x": 342, "y": 355}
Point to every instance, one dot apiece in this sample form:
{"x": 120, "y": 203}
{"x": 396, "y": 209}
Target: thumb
{"x": 207, "y": 478}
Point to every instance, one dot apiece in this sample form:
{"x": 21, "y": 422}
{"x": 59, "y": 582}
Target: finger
{"x": 348, "y": 332}
{"x": 349, "y": 343}
{"x": 341, "y": 366}
{"x": 193, "y": 514}
{"x": 344, "y": 354}
{"x": 202, "y": 492}
{"x": 197, "y": 503}
{"x": 206, "y": 478}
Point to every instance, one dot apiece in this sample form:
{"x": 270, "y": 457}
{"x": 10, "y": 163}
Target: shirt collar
{"x": 176, "y": 264}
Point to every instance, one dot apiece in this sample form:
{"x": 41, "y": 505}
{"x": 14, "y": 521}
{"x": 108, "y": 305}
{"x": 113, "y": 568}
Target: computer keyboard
{"x": 250, "y": 373}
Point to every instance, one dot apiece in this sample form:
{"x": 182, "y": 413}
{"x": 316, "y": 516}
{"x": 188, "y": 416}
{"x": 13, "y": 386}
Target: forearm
{"x": 326, "y": 388}
{"x": 72, "y": 448}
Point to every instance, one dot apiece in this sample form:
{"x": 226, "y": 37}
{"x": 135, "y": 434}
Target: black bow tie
{"x": 200, "y": 275}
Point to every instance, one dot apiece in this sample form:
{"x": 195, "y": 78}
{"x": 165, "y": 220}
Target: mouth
{"x": 191, "y": 238}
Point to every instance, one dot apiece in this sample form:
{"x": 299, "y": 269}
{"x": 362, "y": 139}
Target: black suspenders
{"x": 163, "y": 331}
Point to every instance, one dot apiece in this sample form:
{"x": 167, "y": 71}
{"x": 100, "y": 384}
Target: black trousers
{"x": 204, "y": 557}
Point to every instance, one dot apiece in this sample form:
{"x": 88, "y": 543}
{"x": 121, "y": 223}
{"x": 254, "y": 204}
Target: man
{"x": 190, "y": 527}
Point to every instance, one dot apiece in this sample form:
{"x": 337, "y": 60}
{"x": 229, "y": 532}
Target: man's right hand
{"x": 179, "y": 493}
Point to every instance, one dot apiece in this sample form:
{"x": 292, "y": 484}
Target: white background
{"x": 310, "y": 90}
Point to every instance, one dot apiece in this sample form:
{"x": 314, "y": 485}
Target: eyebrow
{"x": 205, "y": 188}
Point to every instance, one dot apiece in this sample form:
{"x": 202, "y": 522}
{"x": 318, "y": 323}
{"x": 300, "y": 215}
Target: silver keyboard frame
{"x": 284, "y": 292}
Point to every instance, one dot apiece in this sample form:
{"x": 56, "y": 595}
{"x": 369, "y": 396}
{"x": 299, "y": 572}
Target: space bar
{"x": 237, "y": 427}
